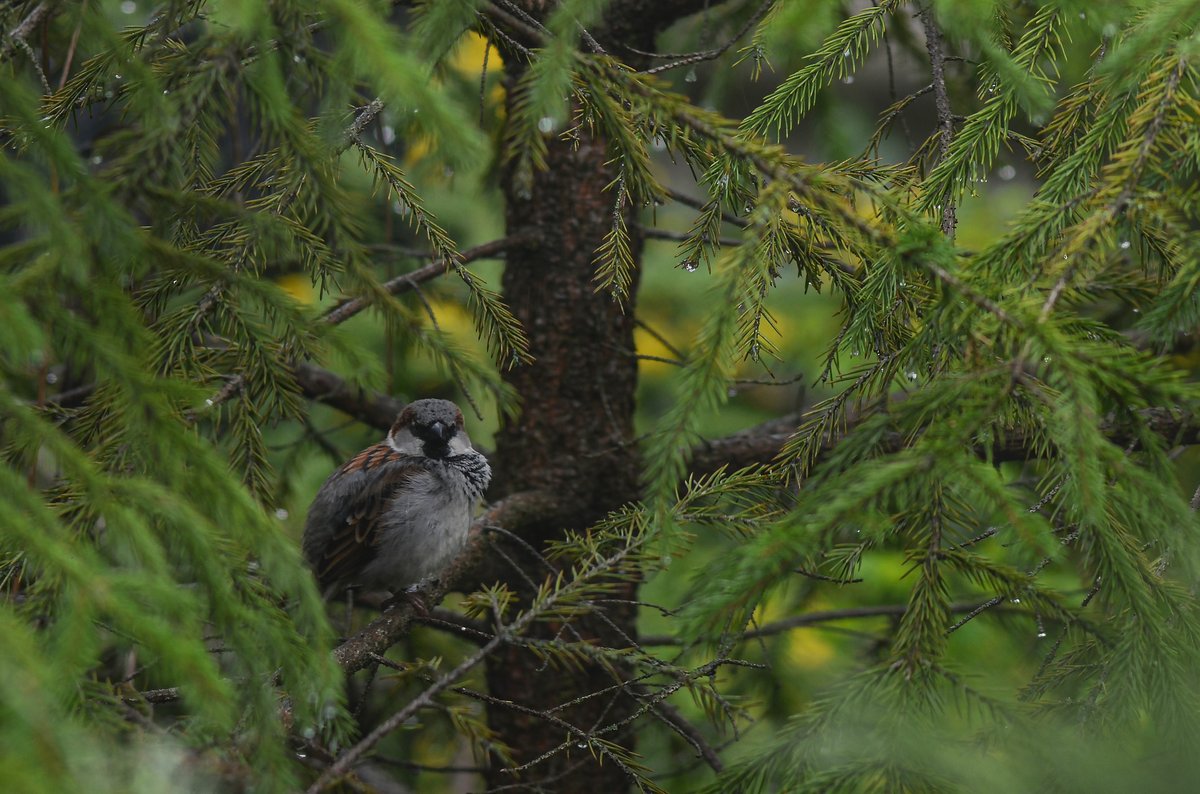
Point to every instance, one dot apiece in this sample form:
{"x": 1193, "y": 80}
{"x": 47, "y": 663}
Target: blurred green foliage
{"x": 809, "y": 718}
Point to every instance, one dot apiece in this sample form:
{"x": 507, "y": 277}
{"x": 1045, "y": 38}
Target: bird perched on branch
{"x": 398, "y": 512}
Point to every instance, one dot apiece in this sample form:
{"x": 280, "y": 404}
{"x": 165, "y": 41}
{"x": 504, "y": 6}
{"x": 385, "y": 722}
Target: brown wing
{"x": 352, "y": 545}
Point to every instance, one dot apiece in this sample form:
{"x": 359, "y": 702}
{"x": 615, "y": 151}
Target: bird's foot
{"x": 414, "y": 596}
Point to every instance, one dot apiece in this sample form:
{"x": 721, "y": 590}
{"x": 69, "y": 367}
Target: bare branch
{"x": 503, "y": 634}
{"x": 347, "y": 309}
{"x": 824, "y": 616}
{"x": 372, "y": 408}
{"x": 937, "y": 63}
{"x": 761, "y": 443}
{"x": 514, "y": 511}
{"x": 16, "y": 37}
{"x": 713, "y": 54}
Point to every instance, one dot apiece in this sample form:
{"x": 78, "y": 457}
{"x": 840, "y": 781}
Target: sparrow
{"x": 398, "y": 512}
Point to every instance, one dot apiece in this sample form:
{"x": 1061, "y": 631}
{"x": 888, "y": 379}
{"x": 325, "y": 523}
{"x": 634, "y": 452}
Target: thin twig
{"x": 813, "y": 618}
{"x": 978, "y": 610}
{"x": 66, "y": 70}
{"x": 347, "y": 309}
{"x": 823, "y": 578}
{"x": 666, "y": 234}
{"x": 504, "y": 634}
{"x": 346, "y": 759}
{"x": 699, "y": 205}
{"x": 713, "y": 54}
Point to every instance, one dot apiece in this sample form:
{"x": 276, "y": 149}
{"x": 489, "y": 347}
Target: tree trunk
{"x": 573, "y": 438}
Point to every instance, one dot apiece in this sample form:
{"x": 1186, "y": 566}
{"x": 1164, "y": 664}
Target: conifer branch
{"x": 716, "y": 52}
{"x": 16, "y": 37}
{"x": 937, "y": 62}
{"x": 817, "y": 618}
{"x": 514, "y": 512}
{"x": 406, "y": 281}
{"x": 347, "y": 758}
{"x": 546, "y": 599}
{"x": 1129, "y": 185}
{"x": 762, "y": 443}
{"x": 348, "y": 309}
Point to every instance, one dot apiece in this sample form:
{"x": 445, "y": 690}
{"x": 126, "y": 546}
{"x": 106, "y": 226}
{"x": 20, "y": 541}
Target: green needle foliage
{"x": 996, "y": 431}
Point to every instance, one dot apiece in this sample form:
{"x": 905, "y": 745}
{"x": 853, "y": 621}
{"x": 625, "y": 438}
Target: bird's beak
{"x": 441, "y": 430}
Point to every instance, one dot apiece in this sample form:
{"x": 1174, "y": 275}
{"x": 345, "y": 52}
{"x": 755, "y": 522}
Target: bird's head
{"x": 433, "y": 428}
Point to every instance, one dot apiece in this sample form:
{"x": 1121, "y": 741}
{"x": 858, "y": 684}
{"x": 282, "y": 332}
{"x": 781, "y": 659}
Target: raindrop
{"x": 117, "y": 76}
{"x": 546, "y": 124}
{"x": 689, "y": 265}
{"x": 51, "y": 377}
{"x": 581, "y": 745}
{"x": 1041, "y": 634}
{"x": 1046, "y": 359}
{"x": 690, "y": 77}
{"x": 854, "y": 353}
{"x": 1007, "y": 172}
{"x": 1125, "y": 244}
{"x": 992, "y": 88}
{"x": 1016, "y": 600}
{"x": 1136, "y": 310}
{"x": 387, "y": 135}
{"x": 746, "y": 210}
{"x": 128, "y": 7}
{"x": 302, "y": 755}
{"x": 848, "y": 79}
{"x": 912, "y": 376}
{"x": 1083, "y": 15}
{"x": 297, "y": 59}
{"x": 903, "y": 283}
{"x": 659, "y": 143}
{"x": 209, "y": 402}
{"x": 846, "y": 53}
{"x": 281, "y": 513}
{"x": 166, "y": 91}
{"x": 97, "y": 159}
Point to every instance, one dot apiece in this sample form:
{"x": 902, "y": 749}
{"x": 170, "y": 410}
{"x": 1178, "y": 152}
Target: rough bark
{"x": 574, "y": 435}
{"x": 573, "y": 438}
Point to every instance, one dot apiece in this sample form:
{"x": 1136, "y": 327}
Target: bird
{"x": 396, "y": 514}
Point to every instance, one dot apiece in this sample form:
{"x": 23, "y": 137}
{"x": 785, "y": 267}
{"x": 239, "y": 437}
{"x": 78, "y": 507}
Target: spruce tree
{"x": 237, "y": 237}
